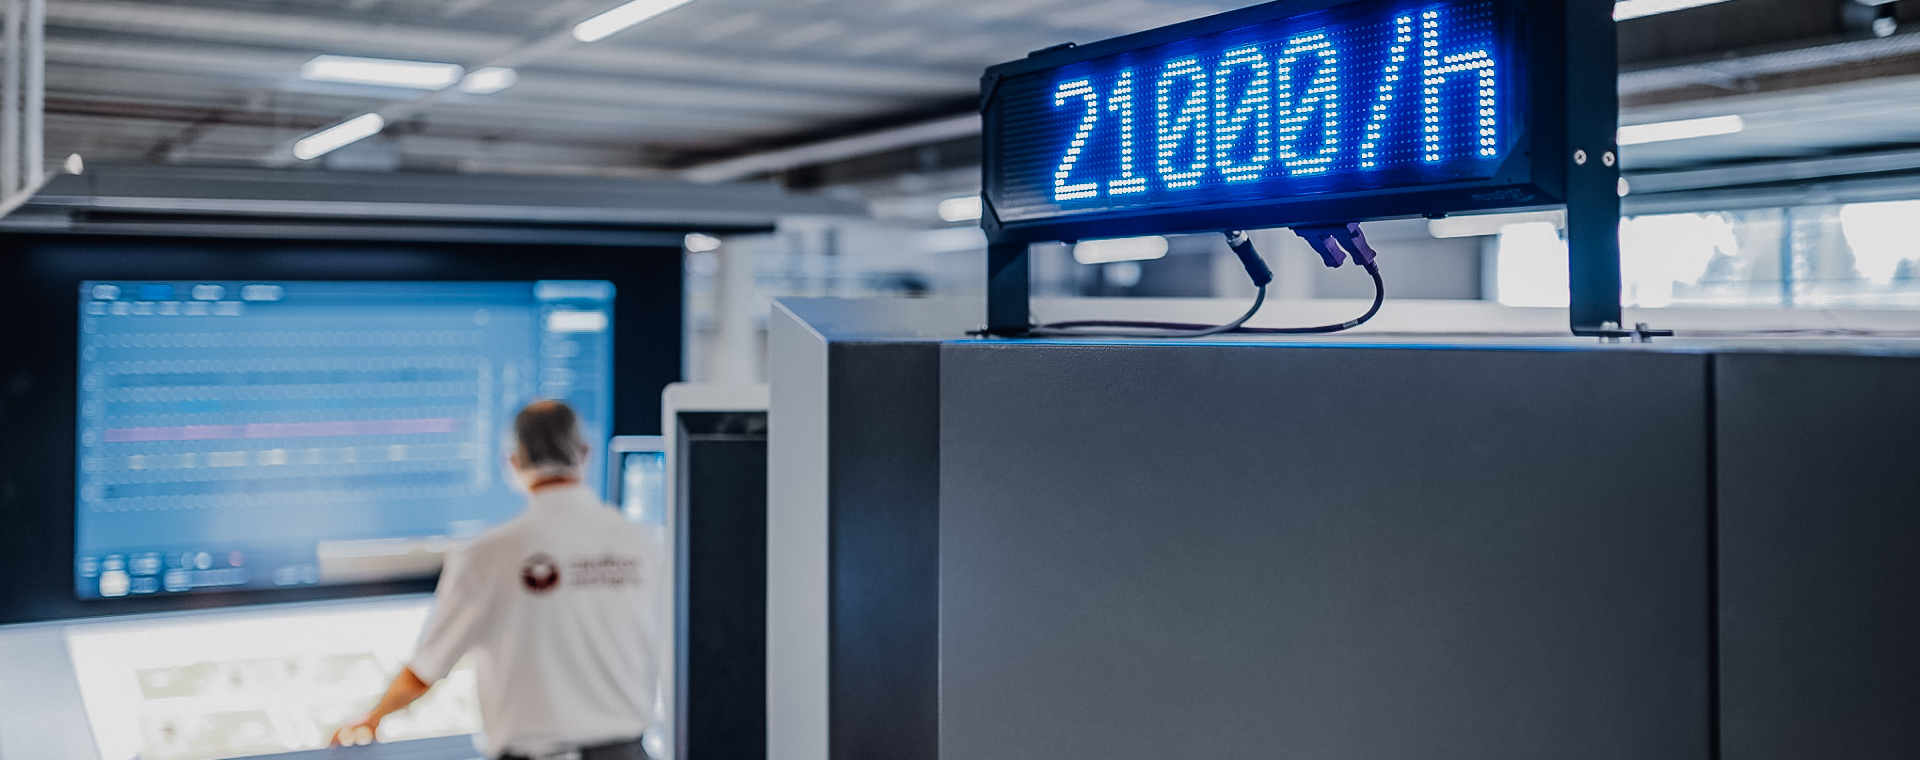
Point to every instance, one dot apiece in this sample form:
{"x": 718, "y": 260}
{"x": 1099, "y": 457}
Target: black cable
{"x": 1379, "y": 296}
{"x": 1164, "y": 329}
{"x": 1081, "y": 328}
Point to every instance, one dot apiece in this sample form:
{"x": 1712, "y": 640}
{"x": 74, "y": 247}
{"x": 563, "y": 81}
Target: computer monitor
{"x": 48, "y": 279}
{"x": 637, "y": 478}
{"x": 273, "y": 434}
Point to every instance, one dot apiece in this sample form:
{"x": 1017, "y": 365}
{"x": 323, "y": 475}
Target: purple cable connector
{"x": 1334, "y": 242}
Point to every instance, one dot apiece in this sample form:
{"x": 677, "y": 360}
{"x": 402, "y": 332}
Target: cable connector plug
{"x": 1242, "y": 245}
{"x": 1335, "y": 242}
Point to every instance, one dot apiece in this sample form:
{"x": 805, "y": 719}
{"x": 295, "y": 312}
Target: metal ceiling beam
{"x": 584, "y": 124}
{"x": 145, "y": 192}
{"x": 1727, "y": 70}
{"x": 835, "y": 150}
{"x": 202, "y": 71}
{"x": 302, "y": 36}
{"x": 361, "y": 34}
{"x": 1837, "y": 190}
{"x": 1774, "y": 172}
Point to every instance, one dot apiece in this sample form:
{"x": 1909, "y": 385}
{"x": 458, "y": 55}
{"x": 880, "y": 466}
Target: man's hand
{"x": 406, "y": 688}
{"x": 359, "y": 731}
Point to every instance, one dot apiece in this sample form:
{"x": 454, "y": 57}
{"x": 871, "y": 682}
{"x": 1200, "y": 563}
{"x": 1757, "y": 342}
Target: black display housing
{"x": 1564, "y": 155}
{"x": 38, "y": 392}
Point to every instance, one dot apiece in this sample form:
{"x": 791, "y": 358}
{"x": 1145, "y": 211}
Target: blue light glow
{"x": 1317, "y": 103}
{"x": 1188, "y": 123}
{"x": 1083, "y": 90}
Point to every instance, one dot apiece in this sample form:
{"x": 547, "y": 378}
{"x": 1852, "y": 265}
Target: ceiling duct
{"x": 401, "y": 206}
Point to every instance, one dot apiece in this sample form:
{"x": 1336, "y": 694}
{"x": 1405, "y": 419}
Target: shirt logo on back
{"x": 540, "y": 574}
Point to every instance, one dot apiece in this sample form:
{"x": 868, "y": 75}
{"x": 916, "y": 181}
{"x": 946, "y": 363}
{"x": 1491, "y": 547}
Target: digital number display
{"x": 1364, "y": 96}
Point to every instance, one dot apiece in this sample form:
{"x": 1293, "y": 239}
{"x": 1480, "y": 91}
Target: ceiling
{"x": 215, "y": 82}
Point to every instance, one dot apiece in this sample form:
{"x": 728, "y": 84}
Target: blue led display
{"x": 1363, "y": 96}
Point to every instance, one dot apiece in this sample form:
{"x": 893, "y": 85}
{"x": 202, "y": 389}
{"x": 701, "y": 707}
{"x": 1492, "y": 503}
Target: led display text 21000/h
{"x": 1353, "y": 98}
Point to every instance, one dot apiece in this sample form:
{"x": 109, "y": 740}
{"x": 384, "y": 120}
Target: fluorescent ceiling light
{"x": 1662, "y": 131}
{"x": 1113, "y": 250}
{"x": 418, "y": 75}
{"x": 604, "y": 25}
{"x": 965, "y": 208}
{"x": 489, "y": 80}
{"x": 339, "y": 136}
{"x": 1479, "y": 225}
{"x": 698, "y": 242}
{"x": 1626, "y": 9}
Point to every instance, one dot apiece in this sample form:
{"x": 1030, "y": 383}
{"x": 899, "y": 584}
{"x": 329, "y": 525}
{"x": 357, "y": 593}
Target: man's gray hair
{"x": 547, "y": 435}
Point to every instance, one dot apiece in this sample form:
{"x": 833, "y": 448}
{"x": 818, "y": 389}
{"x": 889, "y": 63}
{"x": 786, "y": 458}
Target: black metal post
{"x": 1593, "y": 168}
{"x": 1009, "y": 284}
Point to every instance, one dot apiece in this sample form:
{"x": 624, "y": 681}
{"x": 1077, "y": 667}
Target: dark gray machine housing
{"x": 1359, "y": 549}
{"x": 720, "y": 498}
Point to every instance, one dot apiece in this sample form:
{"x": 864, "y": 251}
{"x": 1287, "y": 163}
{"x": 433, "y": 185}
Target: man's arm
{"x": 460, "y": 613}
{"x": 406, "y": 688}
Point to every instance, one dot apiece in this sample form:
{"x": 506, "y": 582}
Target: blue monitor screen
{"x": 1363, "y": 96}
{"x": 275, "y": 434}
{"x": 643, "y": 487}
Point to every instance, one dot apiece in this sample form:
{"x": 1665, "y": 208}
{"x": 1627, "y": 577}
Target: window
{"x": 1859, "y": 255}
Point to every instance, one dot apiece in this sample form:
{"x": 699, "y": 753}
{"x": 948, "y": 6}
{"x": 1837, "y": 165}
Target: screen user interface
{"x": 275, "y": 434}
{"x": 643, "y": 487}
{"x": 1364, "y": 96}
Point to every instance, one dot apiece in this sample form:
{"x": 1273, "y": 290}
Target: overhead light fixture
{"x": 1684, "y": 129}
{"x": 1112, "y": 250}
{"x": 488, "y": 80}
{"x": 965, "y": 208}
{"x": 384, "y": 72}
{"x": 1626, "y": 9}
{"x": 604, "y": 25}
{"x": 339, "y": 136}
{"x": 699, "y": 242}
{"x": 1480, "y": 225}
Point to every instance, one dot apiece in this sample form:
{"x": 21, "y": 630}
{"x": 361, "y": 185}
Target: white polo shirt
{"x": 557, "y": 607}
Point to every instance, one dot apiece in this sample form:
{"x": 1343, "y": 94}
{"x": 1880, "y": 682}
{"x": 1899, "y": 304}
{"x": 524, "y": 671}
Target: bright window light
{"x": 604, "y": 25}
{"x": 1884, "y": 237}
{"x": 1120, "y": 249}
{"x": 338, "y": 136}
{"x": 1662, "y": 131}
{"x": 1662, "y": 252}
{"x": 965, "y": 208}
{"x": 1530, "y": 266}
{"x": 1626, "y": 9}
{"x": 418, "y": 75}
{"x": 698, "y": 242}
{"x": 1664, "y": 258}
{"x": 489, "y": 80}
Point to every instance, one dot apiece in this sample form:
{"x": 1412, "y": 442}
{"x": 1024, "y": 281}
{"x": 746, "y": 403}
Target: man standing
{"x": 557, "y": 607}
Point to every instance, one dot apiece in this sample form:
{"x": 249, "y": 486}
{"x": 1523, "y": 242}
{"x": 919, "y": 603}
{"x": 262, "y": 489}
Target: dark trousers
{"x": 626, "y": 750}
